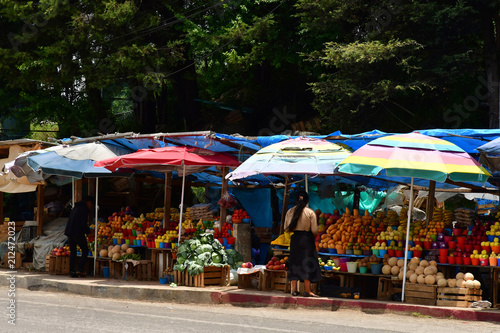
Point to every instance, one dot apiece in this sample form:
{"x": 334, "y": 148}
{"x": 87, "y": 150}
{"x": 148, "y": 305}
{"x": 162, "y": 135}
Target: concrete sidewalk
{"x": 156, "y": 292}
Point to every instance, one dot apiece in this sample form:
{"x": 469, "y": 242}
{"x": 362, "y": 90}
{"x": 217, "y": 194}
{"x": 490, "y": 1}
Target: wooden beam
{"x": 168, "y": 199}
{"x": 40, "y": 202}
{"x": 1, "y": 207}
{"x": 78, "y": 190}
{"x": 223, "y": 210}
{"x": 91, "y": 187}
{"x": 286, "y": 196}
{"x": 430, "y": 200}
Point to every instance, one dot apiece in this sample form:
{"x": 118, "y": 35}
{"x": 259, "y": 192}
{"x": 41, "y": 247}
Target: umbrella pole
{"x": 182, "y": 202}
{"x": 96, "y": 224}
{"x": 410, "y": 210}
{"x": 72, "y": 192}
{"x": 307, "y": 184}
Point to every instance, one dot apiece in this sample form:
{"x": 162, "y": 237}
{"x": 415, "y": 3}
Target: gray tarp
{"x": 52, "y": 236}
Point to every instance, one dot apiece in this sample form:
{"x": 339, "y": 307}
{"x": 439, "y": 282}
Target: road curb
{"x": 153, "y": 291}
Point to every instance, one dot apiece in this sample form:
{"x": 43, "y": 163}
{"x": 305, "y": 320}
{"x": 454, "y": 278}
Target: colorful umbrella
{"x": 302, "y": 155}
{"x": 417, "y": 156}
{"x": 181, "y": 159}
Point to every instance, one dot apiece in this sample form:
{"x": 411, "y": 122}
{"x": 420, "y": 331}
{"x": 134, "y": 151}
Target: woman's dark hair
{"x": 302, "y": 200}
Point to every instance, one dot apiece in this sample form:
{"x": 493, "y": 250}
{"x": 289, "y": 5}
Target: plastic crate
{"x": 28, "y": 233}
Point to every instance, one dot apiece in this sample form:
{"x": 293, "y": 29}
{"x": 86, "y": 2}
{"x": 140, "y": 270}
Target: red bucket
{"x": 468, "y": 247}
{"x": 427, "y": 245}
{"x": 443, "y": 260}
{"x": 417, "y": 254}
{"x": 467, "y": 261}
{"x": 391, "y": 252}
{"x": 478, "y": 248}
{"x": 451, "y": 260}
{"x": 419, "y": 243}
{"x": 400, "y": 253}
{"x": 459, "y": 260}
{"x": 452, "y": 245}
{"x": 443, "y": 252}
{"x": 457, "y": 232}
{"x": 484, "y": 262}
{"x": 486, "y": 248}
{"x": 461, "y": 240}
{"x": 474, "y": 261}
{"x": 343, "y": 267}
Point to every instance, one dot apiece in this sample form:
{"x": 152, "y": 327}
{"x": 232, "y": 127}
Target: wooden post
{"x": 91, "y": 187}
{"x": 430, "y": 201}
{"x": 1, "y": 207}
{"x": 286, "y": 196}
{"x": 78, "y": 190}
{"x": 40, "y": 202}
{"x": 168, "y": 199}
{"x": 223, "y": 210}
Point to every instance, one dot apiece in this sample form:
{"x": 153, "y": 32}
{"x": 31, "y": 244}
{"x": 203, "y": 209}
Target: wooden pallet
{"x": 387, "y": 287}
{"x": 458, "y": 297}
{"x": 420, "y": 294}
{"x": 276, "y": 280}
{"x": 251, "y": 281}
{"x": 58, "y": 265}
{"x": 211, "y": 276}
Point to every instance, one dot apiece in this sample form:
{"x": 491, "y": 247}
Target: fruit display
{"x": 62, "y": 251}
{"x": 425, "y": 272}
{"x": 276, "y": 263}
{"x": 328, "y": 265}
{"x": 239, "y": 215}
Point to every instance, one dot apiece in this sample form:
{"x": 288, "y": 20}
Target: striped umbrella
{"x": 302, "y": 155}
{"x": 417, "y": 156}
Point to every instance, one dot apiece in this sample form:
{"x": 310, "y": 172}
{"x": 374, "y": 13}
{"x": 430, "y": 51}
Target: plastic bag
{"x": 227, "y": 201}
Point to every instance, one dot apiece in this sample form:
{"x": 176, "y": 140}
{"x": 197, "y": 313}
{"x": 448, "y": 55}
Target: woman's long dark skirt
{"x": 303, "y": 261}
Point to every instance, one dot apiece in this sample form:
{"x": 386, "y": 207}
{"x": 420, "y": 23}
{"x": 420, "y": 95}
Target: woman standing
{"x": 303, "y": 264}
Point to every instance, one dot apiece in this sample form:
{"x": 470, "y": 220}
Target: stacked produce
{"x": 424, "y": 272}
{"x": 276, "y": 263}
{"x": 394, "y": 266}
{"x": 62, "y": 251}
{"x": 119, "y": 252}
{"x": 196, "y": 253}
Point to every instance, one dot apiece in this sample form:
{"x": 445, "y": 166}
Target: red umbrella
{"x": 181, "y": 159}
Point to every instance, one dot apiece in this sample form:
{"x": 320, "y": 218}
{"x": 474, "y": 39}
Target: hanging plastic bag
{"x": 227, "y": 201}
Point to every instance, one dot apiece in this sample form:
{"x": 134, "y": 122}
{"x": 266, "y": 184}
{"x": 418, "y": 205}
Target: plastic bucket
{"x": 452, "y": 245}
{"x": 364, "y": 269}
{"x": 352, "y": 266}
{"x": 417, "y": 253}
{"x": 163, "y": 280}
{"x": 332, "y": 251}
{"x": 461, "y": 240}
{"x": 400, "y": 253}
{"x": 443, "y": 260}
{"x": 474, "y": 261}
{"x": 443, "y": 252}
{"x": 391, "y": 252}
{"x": 467, "y": 261}
{"x": 491, "y": 238}
{"x": 382, "y": 252}
{"x": 459, "y": 260}
{"x": 376, "y": 268}
{"x": 344, "y": 260}
{"x": 343, "y": 267}
{"x": 451, "y": 260}
{"x": 493, "y": 261}
{"x": 375, "y": 252}
{"x": 105, "y": 271}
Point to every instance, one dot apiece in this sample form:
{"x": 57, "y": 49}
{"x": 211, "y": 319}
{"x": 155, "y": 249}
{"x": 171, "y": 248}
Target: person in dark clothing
{"x": 77, "y": 230}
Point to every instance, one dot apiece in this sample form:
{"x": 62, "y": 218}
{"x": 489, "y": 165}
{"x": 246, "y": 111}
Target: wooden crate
{"x": 420, "y": 294}
{"x": 211, "y": 276}
{"x": 251, "y": 281}
{"x": 276, "y": 280}
{"x": 100, "y": 263}
{"x": 387, "y": 287}
{"x": 58, "y": 265}
{"x": 459, "y": 297}
{"x": 141, "y": 271}
{"x": 116, "y": 269}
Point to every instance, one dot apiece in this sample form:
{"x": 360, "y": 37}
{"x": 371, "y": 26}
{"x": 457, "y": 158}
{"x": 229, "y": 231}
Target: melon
{"x": 415, "y": 260}
{"x": 468, "y": 277}
{"x": 401, "y": 262}
{"x": 469, "y": 284}
{"x": 433, "y": 263}
{"x": 452, "y": 283}
{"x": 413, "y": 266}
{"x": 421, "y": 279}
{"x": 440, "y": 274}
{"x": 116, "y": 256}
{"x": 392, "y": 261}
{"x": 413, "y": 278}
{"x": 424, "y": 263}
{"x": 110, "y": 249}
{"x": 116, "y": 249}
{"x": 103, "y": 253}
{"x": 476, "y": 284}
{"x": 420, "y": 270}
{"x": 386, "y": 270}
{"x": 460, "y": 283}
{"x": 430, "y": 280}
{"x": 430, "y": 270}
{"x": 409, "y": 272}
{"x": 401, "y": 275}
{"x": 124, "y": 247}
{"x": 442, "y": 283}
{"x": 130, "y": 250}
{"x": 394, "y": 270}
{"x": 460, "y": 275}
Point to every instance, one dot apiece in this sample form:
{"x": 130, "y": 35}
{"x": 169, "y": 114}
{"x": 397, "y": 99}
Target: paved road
{"x": 40, "y": 312}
